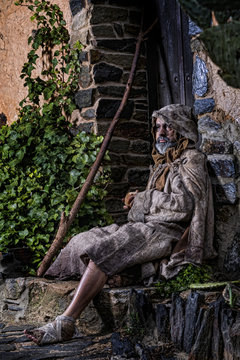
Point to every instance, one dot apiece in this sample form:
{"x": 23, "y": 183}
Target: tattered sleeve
{"x": 173, "y": 204}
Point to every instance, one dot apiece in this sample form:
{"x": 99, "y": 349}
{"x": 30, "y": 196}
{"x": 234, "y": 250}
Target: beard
{"x": 162, "y": 147}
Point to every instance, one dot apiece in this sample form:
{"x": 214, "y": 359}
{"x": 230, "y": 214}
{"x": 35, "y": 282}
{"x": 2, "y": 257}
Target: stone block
{"x": 237, "y": 146}
{"x": 82, "y": 36}
{"x": 210, "y": 146}
{"x": 200, "y": 79}
{"x": 86, "y": 126}
{"x": 76, "y": 6}
{"x": 123, "y": 60}
{"x": 88, "y": 114}
{"x": 141, "y": 116}
{"x": 140, "y": 78}
{"x": 84, "y": 98}
{"x": 109, "y": 90}
{"x": 223, "y": 167}
{"x": 115, "y": 158}
{"x": 118, "y": 172}
{"x": 119, "y": 145}
{"x": 118, "y": 28}
{"x": 232, "y": 258}
{"x": 107, "y": 108}
{"x": 119, "y": 45}
{"x": 207, "y": 125}
{"x": 193, "y": 28}
{"x": 114, "y": 205}
{"x": 103, "y": 72}
{"x": 139, "y": 147}
{"x": 138, "y": 92}
{"x": 142, "y": 106}
{"x": 137, "y": 176}
{"x": 137, "y": 160}
{"x": 105, "y": 31}
{"x": 226, "y": 193}
{"x": 131, "y": 29}
{"x": 203, "y": 106}
{"x": 83, "y": 56}
{"x": 103, "y": 14}
{"x": 118, "y": 189}
{"x": 84, "y": 76}
{"x": 80, "y": 20}
{"x": 133, "y": 130}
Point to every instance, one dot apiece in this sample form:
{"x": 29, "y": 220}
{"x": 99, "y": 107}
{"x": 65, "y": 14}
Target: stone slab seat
{"x": 37, "y": 300}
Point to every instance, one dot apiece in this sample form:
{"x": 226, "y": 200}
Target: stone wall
{"x": 217, "y": 107}
{"x": 108, "y": 31}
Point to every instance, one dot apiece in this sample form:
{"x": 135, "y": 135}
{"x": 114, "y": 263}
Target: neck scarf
{"x": 170, "y": 155}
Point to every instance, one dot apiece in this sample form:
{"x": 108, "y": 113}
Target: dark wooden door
{"x": 169, "y": 56}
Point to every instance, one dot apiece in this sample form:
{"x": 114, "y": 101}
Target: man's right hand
{"x": 128, "y": 200}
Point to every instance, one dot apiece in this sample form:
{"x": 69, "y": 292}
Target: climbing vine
{"x": 42, "y": 165}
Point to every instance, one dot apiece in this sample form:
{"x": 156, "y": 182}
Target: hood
{"x": 181, "y": 118}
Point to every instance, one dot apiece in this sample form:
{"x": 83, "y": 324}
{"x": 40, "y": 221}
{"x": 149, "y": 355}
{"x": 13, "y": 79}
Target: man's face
{"x": 165, "y": 136}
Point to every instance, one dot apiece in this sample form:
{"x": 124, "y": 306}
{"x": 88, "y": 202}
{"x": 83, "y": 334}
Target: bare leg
{"x": 63, "y": 327}
{"x": 91, "y": 283}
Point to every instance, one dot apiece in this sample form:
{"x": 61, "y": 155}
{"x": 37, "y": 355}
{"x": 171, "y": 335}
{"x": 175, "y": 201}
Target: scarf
{"x": 170, "y": 156}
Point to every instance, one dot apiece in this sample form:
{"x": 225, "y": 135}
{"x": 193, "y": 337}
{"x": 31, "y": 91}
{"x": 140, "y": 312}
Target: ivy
{"x": 42, "y": 165}
{"x": 188, "y": 275}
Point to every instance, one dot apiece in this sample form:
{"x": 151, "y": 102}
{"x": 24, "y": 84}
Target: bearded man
{"x": 171, "y": 220}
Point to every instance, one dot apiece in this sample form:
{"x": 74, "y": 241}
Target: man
{"x": 171, "y": 220}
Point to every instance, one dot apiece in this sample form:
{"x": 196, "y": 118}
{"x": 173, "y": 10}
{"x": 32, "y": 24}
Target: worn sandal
{"x": 61, "y": 329}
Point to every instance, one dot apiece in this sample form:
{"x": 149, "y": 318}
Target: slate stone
{"x": 222, "y": 167}
{"x": 107, "y": 108}
{"x": 84, "y": 98}
{"x": 117, "y": 172}
{"x": 118, "y": 28}
{"x": 119, "y": 145}
{"x": 202, "y": 346}
{"x": 139, "y": 79}
{"x": 227, "y": 321}
{"x": 193, "y": 28}
{"x": 131, "y": 29}
{"x": 203, "y": 106}
{"x": 83, "y": 56}
{"x": 226, "y": 193}
{"x": 115, "y": 91}
{"x": 137, "y": 177}
{"x": 84, "y": 76}
{"x": 137, "y": 160}
{"x": 162, "y": 322}
{"x": 232, "y": 259}
{"x": 122, "y": 346}
{"x": 207, "y": 125}
{"x": 88, "y": 114}
{"x": 123, "y": 60}
{"x": 177, "y": 320}
{"x": 87, "y": 127}
{"x": 119, "y": 45}
{"x": 103, "y": 14}
{"x": 133, "y": 130}
{"x": 200, "y": 79}
{"x": 105, "y": 31}
{"x": 217, "y": 340}
{"x": 141, "y": 116}
{"x": 210, "y": 146}
{"x": 139, "y": 147}
{"x": 127, "y": 3}
{"x": 79, "y": 21}
{"x": 237, "y": 146}
{"x": 119, "y": 189}
{"x": 114, "y": 205}
{"x": 7, "y": 347}
{"x": 191, "y": 313}
{"x": 76, "y": 6}
{"x": 103, "y": 72}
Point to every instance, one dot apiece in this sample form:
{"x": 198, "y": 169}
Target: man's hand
{"x": 128, "y": 200}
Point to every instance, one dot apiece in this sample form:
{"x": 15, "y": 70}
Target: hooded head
{"x": 180, "y": 118}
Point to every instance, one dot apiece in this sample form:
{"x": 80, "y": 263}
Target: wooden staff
{"x": 66, "y": 221}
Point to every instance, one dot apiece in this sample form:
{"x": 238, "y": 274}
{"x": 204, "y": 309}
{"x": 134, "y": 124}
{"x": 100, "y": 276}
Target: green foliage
{"x": 42, "y": 165}
{"x": 222, "y": 42}
{"x": 188, "y": 275}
